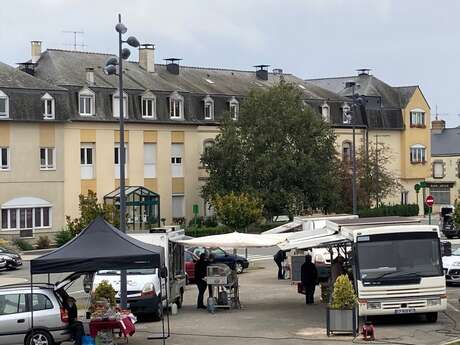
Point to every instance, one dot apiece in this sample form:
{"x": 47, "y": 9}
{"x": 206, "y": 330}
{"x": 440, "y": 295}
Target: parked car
{"x": 447, "y": 224}
{"x": 2, "y": 263}
{"x": 190, "y": 261}
{"x": 50, "y": 319}
{"x": 451, "y": 267}
{"x": 235, "y": 262}
{"x": 13, "y": 259}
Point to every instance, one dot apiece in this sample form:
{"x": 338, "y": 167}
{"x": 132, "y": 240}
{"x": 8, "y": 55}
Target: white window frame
{"x": 176, "y": 106}
{"x": 150, "y": 164}
{"x": 27, "y": 204}
{"x": 234, "y": 108}
{"x": 438, "y": 174}
{"x": 417, "y": 118}
{"x": 117, "y": 165}
{"x": 116, "y": 105}
{"x": 325, "y": 112}
{"x": 418, "y": 154}
{"x": 49, "y": 106}
{"x": 6, "y": 113}
{"x": 208, "y": 103}
{"x": 148, "y": 97}
{"x": 6, "y": 167}
{"x": 88, "y": 96}
{"x": 87, "y": 169}
{"x": 346, "y": 114}
{"x": 48, "y": 166}
{"x": 183, "y": 205}
{"x": 349, "y": 145}
{"x": 177, "y": 160}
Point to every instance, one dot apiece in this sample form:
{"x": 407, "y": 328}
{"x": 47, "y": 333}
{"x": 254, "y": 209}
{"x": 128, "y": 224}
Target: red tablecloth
{"x": 125, "y": 326}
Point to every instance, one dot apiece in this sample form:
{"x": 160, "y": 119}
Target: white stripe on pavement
{"x": 450, "y": 305}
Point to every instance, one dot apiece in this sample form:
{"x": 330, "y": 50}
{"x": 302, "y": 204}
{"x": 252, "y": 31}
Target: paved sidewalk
{"x": 11, "y": 280}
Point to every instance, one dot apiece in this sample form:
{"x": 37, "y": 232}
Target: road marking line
{"x": 450, "y": 305}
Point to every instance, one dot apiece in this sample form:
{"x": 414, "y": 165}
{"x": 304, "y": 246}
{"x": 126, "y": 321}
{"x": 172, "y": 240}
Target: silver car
{"x": 50, "y": 322}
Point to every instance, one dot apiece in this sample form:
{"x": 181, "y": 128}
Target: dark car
{"x": 235, "y": 262}
{"x": 12, "y": 258}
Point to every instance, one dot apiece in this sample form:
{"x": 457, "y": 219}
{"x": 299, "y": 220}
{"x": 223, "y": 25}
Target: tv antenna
{"x": 437, "y": 114}
{"x": 75, "y": 34}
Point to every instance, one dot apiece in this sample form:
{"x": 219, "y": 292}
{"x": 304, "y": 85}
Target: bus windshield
{"x": 392, "y": 259}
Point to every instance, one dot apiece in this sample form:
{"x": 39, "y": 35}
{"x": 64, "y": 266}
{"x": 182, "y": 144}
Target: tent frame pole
{"x": 31, "y": 303}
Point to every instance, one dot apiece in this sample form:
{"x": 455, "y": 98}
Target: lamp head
{"x": 121, "y": 28}
{"x": 110, "y": 70}
{"x": 111, "y": 61}
{"x": 133, "y": 42}
{"x": 125, "y": 53}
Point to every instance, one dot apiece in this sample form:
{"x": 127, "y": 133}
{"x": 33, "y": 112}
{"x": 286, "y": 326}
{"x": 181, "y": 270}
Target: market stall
{"x": 100, "y": 246}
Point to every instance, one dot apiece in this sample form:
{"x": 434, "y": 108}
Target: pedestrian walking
{"x": 279, "y": 257}
{"x": 309, "y": 276}
{"x": 201, "y": 267}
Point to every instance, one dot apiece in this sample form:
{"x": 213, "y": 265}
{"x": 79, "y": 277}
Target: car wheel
{"x": 239, "y": 267}
{"x": 180, "y": 299}
{"x": 39, "y": 337}
{"x": 432, "y": 317}
{"x": 157, "y": 315}
{"x": 10, "y": 268}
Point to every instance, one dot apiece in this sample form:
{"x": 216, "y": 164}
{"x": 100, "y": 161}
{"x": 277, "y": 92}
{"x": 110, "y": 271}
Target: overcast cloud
{"x": 404, "y": 42}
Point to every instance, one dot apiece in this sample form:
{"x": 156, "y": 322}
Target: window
{"x": 178, "y": 206}
{"x": 40, "y": 302}
{"x": 4, "y": 158}
{"x": 9, "y": 304}
{"x": 47, "y": 158}
{"x": 208, "y": 108}
{"x": 417, "y": 118}
{"x": 116, "y": 105}
{"x": 346, "y": 114}
{"x": 404, "y": 197}
{"x": 117, "y": 160}
{"x": 86, "y": 161}
{"x": 176, "y": 106}
{"x": 325, "y": 112}
{"x": 234, "y": 107}
{"x": 417, "y": 154}
{"x": 150, "y": 159}
{"x": 4, "y": 105}
{"x": 48, "y": 106}
{"x": 438, "y": 169}
{"x": 176, "y": 160}
{"x": 26, "y": 218}
{"x": 346, "y": 151}
{"x": 149, "y": 105}
{"x": 441, "y": 195}
{"x": 86, "y": 102}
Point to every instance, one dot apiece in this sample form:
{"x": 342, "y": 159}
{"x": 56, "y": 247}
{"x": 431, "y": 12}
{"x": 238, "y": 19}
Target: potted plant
{"x": 341, "y": 313}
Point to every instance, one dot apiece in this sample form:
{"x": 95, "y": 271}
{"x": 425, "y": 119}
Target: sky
{"x": 410, "y": 42}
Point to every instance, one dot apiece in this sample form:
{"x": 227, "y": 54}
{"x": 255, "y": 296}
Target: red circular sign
{"x": 429, "y": 201}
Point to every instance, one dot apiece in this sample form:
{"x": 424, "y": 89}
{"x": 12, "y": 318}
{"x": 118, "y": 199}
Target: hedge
{"x": 390, "y": 210}
{"x": 200, "y": 231}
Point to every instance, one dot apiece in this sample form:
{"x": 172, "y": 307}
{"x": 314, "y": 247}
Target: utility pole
{"x": 354, "y": 191}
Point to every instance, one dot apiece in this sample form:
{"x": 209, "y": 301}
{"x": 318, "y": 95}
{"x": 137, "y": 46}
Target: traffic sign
{"x": 423, "y": 184}
{"x": 429, "y": 201}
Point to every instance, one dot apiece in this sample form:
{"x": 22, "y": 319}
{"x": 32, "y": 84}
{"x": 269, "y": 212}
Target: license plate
{"x": 405, "y": 311}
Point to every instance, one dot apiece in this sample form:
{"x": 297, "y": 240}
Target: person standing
{"x": 279, "y": 257}
{"x": 75, "y": 326}
{"x": 200, "y": 275}
{"x": 309, "y": 275}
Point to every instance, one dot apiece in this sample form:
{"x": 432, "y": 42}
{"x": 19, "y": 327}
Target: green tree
{"x": 343, "y": 296}
{"x": 456, "y": 215}
{"x": 237, "y": 211}
{"x": 90, "y": 209}
{"x": 279, "y": 149}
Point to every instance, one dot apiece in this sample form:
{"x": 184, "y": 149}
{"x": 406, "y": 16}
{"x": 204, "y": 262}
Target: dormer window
{"x": 346, "y": 114}
{"x": 234, "y": 107}
{"x": 48, "y": 106}
{"x": 149, "y": 106}
{"x": 176, "y": 106}
{"x": 417, "y": 118}
{"x": 208, "y": 108}
{"x": 325, "y": 112}
{"x": 4, "y": 105}
{"x": 116, "y": 105}
{"x": 86, "y": 102}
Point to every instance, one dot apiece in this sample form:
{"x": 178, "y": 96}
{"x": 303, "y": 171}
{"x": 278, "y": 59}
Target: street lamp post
{"x": 354, "y": 191}
{"x": 111, "y": 69}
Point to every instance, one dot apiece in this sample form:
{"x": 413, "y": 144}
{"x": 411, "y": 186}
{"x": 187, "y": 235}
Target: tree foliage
{"x": 90, "y": 209}
{"x": 343, "y": 296}
{"x": 279, "y": 149}
{"x": 237, "y": 211}
{"x": 456, "y": 215}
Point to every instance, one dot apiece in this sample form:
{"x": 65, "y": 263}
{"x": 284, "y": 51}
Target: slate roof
{"x": 13, "y": 78}
{"x": 446, "y": 143}
{"x": 405, "y": 94}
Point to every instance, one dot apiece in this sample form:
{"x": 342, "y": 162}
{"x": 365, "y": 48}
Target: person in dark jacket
{"x": 309, "y": 276}
{"x": 75, "y": 326}
{"x": 279, "y": 257}
{"x": 201, "y": 267}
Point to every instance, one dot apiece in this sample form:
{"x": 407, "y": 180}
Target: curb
{"x": 36, "y": 251}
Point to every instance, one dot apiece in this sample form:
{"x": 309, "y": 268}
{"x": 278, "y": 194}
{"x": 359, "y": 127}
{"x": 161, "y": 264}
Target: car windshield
{"x": 393, "y": 259}
{"x": 129, "y": 272}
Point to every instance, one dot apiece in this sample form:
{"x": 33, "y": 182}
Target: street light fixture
{"x": 112, "y": 66}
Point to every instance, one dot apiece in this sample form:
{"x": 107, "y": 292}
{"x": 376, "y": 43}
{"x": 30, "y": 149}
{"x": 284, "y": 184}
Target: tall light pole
{"x": 110, "y": 69}
{"x": 353, "y": 180}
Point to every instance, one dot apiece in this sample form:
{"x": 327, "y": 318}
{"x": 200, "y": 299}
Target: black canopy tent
{"x": 100, "y": 246}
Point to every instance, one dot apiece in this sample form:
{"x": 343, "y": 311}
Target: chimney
{"x": 438, "y": 126}
{"x": 261, "y": 72}
{"x": 277, "y": 71}
{"x": 36, "y": 50}
{"x": 364, "y": 71}
{"x": 172, "y": 65}
{"x": 90, "y": 75}
{"x": 147, "y": 57}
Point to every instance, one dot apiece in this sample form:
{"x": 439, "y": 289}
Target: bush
{"x": 344, "y": 296}
{"x": 210, "y": 222}
{"x": 105, "y": 290}
{"x": 62, "y": 237}
{"x": 43, "y": 242}
{"x": 22, "y": 245}
{"x": 205, "y": 231}
{"x": 390, "y": 210}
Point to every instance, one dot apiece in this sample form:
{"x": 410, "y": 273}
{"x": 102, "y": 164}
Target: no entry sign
{"x": 429, "y": 201}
